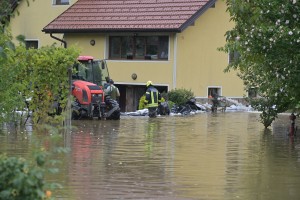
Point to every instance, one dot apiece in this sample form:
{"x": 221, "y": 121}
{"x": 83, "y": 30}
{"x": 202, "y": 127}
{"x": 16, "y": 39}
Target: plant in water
{"x": 22, "y": 180}
{"x": 25, "y": 179}
{"x": 180, "y": 96}
{"x": 265, "y": 40}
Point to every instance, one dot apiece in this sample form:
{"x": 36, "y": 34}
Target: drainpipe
{"x": 56, "y": 38}
{"x": 175, "y": 62}
{"x": 67, "y": 121}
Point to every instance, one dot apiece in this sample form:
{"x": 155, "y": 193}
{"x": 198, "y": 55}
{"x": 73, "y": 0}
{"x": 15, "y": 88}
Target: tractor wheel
{"x": 75, "y": 115}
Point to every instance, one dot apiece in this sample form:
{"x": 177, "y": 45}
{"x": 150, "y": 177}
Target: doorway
{"x": 130, "y": 96}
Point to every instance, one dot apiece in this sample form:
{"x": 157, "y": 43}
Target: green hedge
{"x": 180, "y": 96}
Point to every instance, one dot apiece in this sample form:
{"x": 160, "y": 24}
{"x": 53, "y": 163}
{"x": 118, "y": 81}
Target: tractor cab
{"x": 88, "y": 79}
{"x": 91, "y": 70}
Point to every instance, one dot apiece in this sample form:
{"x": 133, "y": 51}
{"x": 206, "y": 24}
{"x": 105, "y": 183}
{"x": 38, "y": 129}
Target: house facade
{"x": 30, "y": 19}
{"x": 172, "y": 43}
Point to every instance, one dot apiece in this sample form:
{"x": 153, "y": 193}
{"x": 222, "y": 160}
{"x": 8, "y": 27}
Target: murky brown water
{"x": 207, "y": 157}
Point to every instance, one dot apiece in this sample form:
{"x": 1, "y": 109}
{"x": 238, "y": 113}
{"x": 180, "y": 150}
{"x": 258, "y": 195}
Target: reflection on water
{"x": 205, "y": 156}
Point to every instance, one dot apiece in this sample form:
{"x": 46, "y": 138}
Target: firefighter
{"x": 153, "y": 98}
{"x": 293, "y": 129}
{"x": 215, "y": 102}
{"x": 106, "y": 84}
{"x": 112, "y": 91}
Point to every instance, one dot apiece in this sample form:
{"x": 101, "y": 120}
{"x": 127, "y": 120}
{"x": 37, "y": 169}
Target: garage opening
{"x": 130, "y": 95}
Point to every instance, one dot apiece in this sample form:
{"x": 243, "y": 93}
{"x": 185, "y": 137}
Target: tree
{"x": 267, "y": 37}
{"x": 38, "y": 75}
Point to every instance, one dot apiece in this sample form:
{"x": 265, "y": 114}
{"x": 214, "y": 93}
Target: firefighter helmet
{"x": 148, "y": 83}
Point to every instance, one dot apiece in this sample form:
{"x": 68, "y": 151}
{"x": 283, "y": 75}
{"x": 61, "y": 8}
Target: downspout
{"x": 68, "y": 120}
{"x": 175, "y": 62}
{"x": 62, "y": 41}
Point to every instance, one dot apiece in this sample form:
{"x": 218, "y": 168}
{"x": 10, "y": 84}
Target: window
{"x": 32, "y": 44}
{"x": 139, "y": 47}
{"x": 233, "y": 56}
{"x": 61, "y": 2}
{"x": 213, "y": 91}
{"x": 252, "y": 92}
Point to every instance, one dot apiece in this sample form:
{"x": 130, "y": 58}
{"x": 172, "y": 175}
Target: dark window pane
{"x": 61, "y": 2}
{"x": 152, "y": 40}
{"x": 214, "y": 92}
{"x": 252, "y": 92}
{"x": 140, "y": 47}
{"x": 151, "y": 52}
{"x": 164, "y": 47}
{"x": 32, "y": 44}
{"x": 115, "y": 47}
{"x": 233, "y": 56}
{"x": 127, "y": 47}
{"x": 152, "y": 48}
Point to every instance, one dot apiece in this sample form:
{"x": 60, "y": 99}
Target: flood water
{"x": 206, "y": 156}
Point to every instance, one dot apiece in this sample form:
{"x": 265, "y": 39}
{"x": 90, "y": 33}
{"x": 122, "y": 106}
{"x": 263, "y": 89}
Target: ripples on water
{"x": 204, "y": 156}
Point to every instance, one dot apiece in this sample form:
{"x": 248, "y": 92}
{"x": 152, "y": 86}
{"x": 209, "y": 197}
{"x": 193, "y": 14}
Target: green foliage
{"x": 37, "y": 75}
{"x": 41, "y": 76}
{"x": 47, "y": 76}
{"x": 180, "y": 96}
{"x": 6, "y": 10}
{"x": 25, "y": 179}
{"x": 142, "y": 104}
{"x": 171, "y": 104}
{"x": 266, "y": 36}
{"x": 270, "y": 108}
{"x": 164, "y": 96}
{"x": 20, "y": 180}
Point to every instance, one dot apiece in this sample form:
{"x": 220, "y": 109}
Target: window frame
{"x": 252, "y": 92}
{"x": 54, "y": 3}
{"x": 233, "y": 56}
{"x": 137, "y": 47}
{"x": 32, "y": 40}
{"x": 211, "y": 88}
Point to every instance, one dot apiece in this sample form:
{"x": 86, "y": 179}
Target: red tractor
{"x": 87, "y": 88}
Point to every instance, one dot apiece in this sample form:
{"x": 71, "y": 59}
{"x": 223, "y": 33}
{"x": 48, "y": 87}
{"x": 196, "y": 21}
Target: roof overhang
{"x": 177, "y": 29}
{"x": 197, "y": 15}
{"x": 108, "y": 30}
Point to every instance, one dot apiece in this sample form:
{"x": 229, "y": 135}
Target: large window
{"x": 61, "y": 2}
{"x": 139, "y": 47}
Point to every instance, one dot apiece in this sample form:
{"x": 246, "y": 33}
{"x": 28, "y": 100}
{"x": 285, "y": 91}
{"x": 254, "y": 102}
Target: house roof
{"x": 128, "y": 15}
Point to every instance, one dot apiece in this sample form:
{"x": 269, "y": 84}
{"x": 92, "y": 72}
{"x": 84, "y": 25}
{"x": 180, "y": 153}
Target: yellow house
{"x": 172, "y": 43}
{"x": 30, "y": 19}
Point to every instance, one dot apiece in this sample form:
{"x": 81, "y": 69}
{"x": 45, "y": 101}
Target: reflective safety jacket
{"x": 153, "y": 97}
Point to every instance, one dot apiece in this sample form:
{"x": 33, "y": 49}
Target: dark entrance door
{"x": 131, "y": 94}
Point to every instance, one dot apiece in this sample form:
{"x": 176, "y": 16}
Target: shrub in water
{"x": 180, "y": 96}
{"x": 21, "y": 181}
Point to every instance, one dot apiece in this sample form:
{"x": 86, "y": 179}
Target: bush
{"x": 21, "y": 181}
{"x": 180, "y": 96}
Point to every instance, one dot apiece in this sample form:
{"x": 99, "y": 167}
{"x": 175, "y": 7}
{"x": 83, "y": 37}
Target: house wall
{"x": 197, "y": 66}
{"x": 33, "y": 18}
{"x": 199, "y": 63}
{"x": 159, "y": 72}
